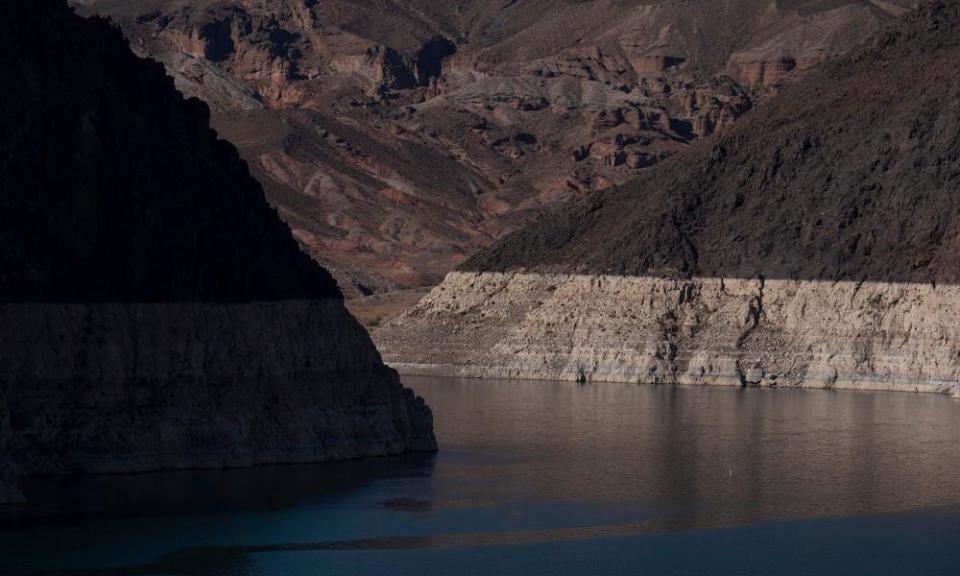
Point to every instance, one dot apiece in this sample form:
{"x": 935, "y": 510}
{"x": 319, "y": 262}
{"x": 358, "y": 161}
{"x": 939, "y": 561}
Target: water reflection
{"x": 743, "y": 454}
{"x": 83, "y": 498}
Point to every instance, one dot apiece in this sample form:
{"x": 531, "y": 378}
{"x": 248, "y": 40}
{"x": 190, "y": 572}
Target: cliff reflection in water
{"x": 530, "y": 471}
{"x": 705, "y": 454}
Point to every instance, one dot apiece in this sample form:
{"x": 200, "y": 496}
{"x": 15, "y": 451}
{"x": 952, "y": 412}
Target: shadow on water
{"x": 929, "y": 529}
{"x": 57, "y": 500}
{"x": 208, "y": 560}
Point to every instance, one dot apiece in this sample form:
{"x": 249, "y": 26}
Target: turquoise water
{"x": 547, "y": 478}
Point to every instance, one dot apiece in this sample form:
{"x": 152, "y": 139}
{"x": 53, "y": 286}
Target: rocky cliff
{"x": 814, "y": 244}
{"x": 398, "y": 141}
{"x": 154, "y": 310}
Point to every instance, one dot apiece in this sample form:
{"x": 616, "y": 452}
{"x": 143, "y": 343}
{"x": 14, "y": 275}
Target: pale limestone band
{"x": 709, "y": 331}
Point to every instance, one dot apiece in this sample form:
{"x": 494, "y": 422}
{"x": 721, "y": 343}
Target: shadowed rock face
{"x": 154, "y": 310}
{"x": 816, "y": 243}
{"x": 850, "y": 174}
{"x": 397, "y": 142}
{"x": 114, "y": 187}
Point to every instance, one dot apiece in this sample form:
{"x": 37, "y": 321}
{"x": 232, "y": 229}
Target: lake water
{"x": 547, "y": 478}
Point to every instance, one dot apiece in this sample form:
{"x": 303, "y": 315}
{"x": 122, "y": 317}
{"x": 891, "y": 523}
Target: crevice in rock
{"x": 581, "y": 373}
{"x": 430, "y": 59}
{"x": 754, "y": 313}
{"x": 741, "y": 375}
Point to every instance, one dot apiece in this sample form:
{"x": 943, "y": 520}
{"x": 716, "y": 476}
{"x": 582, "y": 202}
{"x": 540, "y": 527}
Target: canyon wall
{"x": 121, "y": 387}
{"x": 155, "y": 312}
{"x": 134, "y": 387}
{"x": 711, "y": 331}
{"x": 815, "y": 243}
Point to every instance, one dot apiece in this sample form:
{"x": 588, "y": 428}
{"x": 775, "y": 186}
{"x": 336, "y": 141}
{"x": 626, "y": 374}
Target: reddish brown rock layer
{"x": 488, "y": 113}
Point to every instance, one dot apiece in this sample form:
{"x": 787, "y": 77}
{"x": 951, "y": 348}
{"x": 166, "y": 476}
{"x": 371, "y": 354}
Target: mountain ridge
{"x": 398, "y": 141}
{"x": 747, "y": 182}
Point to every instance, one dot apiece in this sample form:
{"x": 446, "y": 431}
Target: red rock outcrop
{"x": 433, "y": 96}
{"x": 766, "y": 72}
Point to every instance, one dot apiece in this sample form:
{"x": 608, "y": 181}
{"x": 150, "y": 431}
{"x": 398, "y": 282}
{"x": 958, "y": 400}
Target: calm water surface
{"x": 547, "y": 478}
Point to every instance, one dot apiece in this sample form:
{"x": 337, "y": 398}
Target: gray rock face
{"x": 134, "y": 387}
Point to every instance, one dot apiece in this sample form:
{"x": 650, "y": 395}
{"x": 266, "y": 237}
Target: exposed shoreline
{"x": 879, "y": 336}
{"x": 454, "y": 371}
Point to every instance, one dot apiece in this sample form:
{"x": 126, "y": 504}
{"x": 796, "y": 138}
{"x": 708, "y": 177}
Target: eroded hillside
{"x": 398, "y": 137}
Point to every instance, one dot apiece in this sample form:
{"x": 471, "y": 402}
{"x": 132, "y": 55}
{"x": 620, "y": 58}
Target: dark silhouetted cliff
{"x": 154, "y": 310}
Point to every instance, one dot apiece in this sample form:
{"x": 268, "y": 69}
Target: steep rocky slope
{"x": 154, "y": 310}
{"x": 814, "y": 244}
{"x": 396, "y": 137}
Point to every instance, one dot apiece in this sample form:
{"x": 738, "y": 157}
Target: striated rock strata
{"x": 154, "y": 310}
{"x": 816, "y": 243}
{"x": 730, "y": 332}
{"x": 119, "y": 387}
